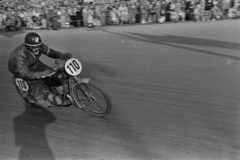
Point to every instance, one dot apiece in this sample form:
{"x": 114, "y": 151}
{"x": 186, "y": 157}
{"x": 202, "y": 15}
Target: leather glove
{"x": 44, "y": 73}
{"x": 65, "y": 56}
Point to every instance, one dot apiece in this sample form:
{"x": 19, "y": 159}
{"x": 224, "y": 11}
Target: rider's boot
{"x": 37, "y": 89}
{"x": 58, "y": 100}
{"x": 41, "y": 102}
{"x": 60, "y": 89}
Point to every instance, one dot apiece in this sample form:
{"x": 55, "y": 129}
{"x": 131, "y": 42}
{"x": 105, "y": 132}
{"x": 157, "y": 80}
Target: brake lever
{"x": 49, "y": 75}
{"x": 54, "y": 70}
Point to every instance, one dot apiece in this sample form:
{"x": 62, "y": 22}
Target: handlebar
{"x": 60, "y": 65}
{"x": 49, "y": 75}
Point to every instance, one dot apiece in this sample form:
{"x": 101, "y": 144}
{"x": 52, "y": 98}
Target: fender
{"x": 82, "y": 80}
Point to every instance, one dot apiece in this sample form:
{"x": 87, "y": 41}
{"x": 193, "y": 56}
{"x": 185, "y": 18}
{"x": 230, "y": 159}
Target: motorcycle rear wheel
{"x": 92, "y": 99}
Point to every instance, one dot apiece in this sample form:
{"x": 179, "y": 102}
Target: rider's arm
{"x": 24, "y": 71}
{"x": 51, "y": 52}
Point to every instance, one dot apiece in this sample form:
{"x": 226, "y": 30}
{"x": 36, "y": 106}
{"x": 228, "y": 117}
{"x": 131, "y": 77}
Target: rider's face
{"x": 35, "y": 49}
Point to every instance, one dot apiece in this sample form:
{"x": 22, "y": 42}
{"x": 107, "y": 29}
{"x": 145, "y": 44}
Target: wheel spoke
{"x": 94, "y": 105}
{"x": 98, "y": 105}
{"x": 100, "y": 108}
{"x": 92, "y": 99}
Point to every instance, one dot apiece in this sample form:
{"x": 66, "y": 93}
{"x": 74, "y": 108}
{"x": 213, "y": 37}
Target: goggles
{"x": 34, "y": 49}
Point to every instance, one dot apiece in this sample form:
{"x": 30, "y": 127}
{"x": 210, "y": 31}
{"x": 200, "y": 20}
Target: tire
{"x": 94, "y": 103}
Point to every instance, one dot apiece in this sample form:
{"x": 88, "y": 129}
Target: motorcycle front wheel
{"x": 92, "y": 99}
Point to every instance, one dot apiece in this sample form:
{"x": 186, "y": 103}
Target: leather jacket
{"x": 21, "y": 60}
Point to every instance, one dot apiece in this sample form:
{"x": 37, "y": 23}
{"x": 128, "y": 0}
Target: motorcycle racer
{"x": 24, "y": 63}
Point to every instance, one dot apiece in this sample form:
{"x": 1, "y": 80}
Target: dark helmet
{"x": 33, "y": 39}
{"x": 33, "y": 42}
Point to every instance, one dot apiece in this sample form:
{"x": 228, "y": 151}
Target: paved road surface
{"x": 175, "y": 92}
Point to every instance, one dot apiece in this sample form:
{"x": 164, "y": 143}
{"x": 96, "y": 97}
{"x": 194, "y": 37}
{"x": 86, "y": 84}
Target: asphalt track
{"x": 175, "y": 90}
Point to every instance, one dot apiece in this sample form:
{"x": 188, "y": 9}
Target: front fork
{"x": 78, "y": 80}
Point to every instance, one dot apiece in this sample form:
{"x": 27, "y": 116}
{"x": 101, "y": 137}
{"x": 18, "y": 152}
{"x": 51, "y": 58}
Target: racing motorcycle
{"x": 83, "y": 92}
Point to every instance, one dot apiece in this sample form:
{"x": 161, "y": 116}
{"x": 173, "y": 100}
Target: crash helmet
{"x": 33, "y": 42}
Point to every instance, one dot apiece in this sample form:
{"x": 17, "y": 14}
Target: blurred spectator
{"x": 132, "y": 11}
{"x": 79, "y": 16}
{"x": 84, "y": 14}
{"x": 90, "y": 16}
{"x": 189, "y": 10}
{"x": 158, "y": 11}
{"x": 123, "y": 13}
{"x": 234, "y": 11}
{"x": 29, "y": 20}
{"x": 12, "y": 22}
{"x": 202, "y": 10}
{"x": 208, "y": 9}
{"x": 164, "y": 5}
{"x": 72, "y": 14}
{"x": 73, "y": 17}
{"x": 197, "y": 12}
{"x": 114, "y": 16}
{"x": 103, "y": 11}
{"x": 138, "y": 12}
{"x": 216, "y": 12}
{"x": 36, "y": 18}
{"x": 54, "y": 23}
{"x": 151, "y": 12}
{"x": 1, "y": 21}
{"x": 173, "y": 12}
{"x": 48, "y": 17}
{"x": 21, "y": 15}
{"x": 36, "y": 14}
{"x": 66, "y": 18}
{"x": 168, "y": 10}
{"x": 62, "y": 19}
{"x": 97, "y": 15}
{"x": 180, "y": 10}
{"x": 225, "y": 5}
{"x": 142, "y": 14}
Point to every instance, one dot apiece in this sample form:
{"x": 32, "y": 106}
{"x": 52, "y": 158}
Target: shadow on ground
{"x": 30, "y": 133}
{"x": 179, "y": 41}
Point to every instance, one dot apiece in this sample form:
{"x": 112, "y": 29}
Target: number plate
{"x": 73, "y": 67}
{"x": 22, "y": 84}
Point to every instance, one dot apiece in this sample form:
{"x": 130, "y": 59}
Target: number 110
{"x": 73, "y": 65}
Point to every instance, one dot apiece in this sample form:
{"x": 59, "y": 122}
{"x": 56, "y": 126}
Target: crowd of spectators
{"x": 46, "y": 14}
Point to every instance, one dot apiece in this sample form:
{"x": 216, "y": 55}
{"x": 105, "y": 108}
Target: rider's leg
{"x": 38, "y": 86}
{"x": 55, "y": 99}
{"x": 37, "y": 90}
{"x": 58, "y": 99}
{"x": 40, "y": 66}
{"x": 60, "y": 89}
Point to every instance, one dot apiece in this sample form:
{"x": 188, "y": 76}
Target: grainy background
{"x": 175, "y": 89}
